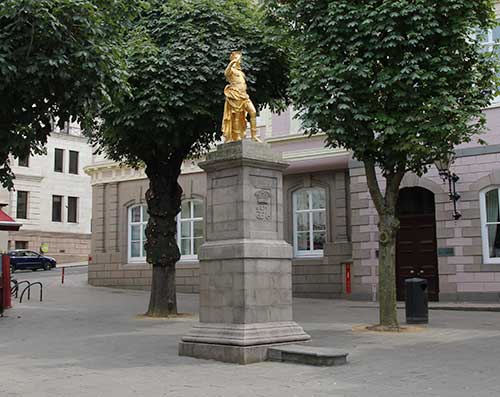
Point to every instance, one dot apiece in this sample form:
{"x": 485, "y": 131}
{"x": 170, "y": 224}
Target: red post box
{"x": 348, "y": 289}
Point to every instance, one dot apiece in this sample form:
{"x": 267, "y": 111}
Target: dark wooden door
{"x": 416, "y": 250}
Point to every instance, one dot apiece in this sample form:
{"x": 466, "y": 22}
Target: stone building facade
{"x": 329, "y": 220}
{"x": 117, "y": 192}
{"x": 52, "y": 198}
{"x": 466, "y": 250}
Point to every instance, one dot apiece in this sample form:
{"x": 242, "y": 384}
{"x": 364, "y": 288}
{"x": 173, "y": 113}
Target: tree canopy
{"x": 59, "y": 60}
{"x": 176, "y": 55}
{"x": 400, "y": 83}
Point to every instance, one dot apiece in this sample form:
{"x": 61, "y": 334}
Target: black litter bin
{"x": 417, "y": 307}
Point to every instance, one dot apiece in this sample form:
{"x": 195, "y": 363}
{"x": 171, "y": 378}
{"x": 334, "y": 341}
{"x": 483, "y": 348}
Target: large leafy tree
{"x": 59, "y": 60}
{"x": 177, "y": 54}
{"x": 397, "y": 82}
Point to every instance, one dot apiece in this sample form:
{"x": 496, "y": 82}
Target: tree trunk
{"x": 388, "y": 228}
{"x": 164, "y": 201}
{"x": 163, "y": 300}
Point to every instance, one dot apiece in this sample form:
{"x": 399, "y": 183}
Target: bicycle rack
{"x": 15, "y": 288}
{"x": 28, "y": 288}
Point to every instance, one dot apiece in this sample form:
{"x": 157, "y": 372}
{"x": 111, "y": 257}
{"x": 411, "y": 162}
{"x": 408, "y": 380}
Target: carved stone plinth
{"x": 245, "y": 265}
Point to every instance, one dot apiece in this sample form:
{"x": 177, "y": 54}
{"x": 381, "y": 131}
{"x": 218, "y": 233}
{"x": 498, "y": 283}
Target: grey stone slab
{"x": 224, "y": 353}
{"x": 243, "y": 149}
{"x": 304, "y": 354}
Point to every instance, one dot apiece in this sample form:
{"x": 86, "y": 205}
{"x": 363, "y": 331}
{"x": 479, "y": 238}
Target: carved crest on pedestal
{"x": 263, "y": 211}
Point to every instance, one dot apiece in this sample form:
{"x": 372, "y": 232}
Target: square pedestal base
{"x": 239, "y": 343}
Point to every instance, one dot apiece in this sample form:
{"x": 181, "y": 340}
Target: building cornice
{"x": 108, "y": 171}
{"x": 309, "y": 154}
{"x": 28, "y": 177}
{"x": 459, "y": 153}
{"x": 69, "y": 137}
{"x": 292, "y": 138}
{"x": 493, "y": 105}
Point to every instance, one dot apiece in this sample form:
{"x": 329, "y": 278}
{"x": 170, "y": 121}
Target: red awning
{"x": 7, "y": 223}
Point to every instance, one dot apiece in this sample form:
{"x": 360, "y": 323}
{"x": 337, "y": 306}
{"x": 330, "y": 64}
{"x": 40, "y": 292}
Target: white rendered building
{"x": 52, "y": 198}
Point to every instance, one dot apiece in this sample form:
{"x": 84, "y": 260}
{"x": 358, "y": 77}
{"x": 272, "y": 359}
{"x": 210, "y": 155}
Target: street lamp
{"x": 443, "y": 165}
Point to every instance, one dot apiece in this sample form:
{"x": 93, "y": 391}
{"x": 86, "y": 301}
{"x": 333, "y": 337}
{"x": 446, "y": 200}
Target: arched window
{"x": 309, "y": 221}
{"x": 190, "y": 228}
{"x": 137, "y": 221}
{"x": 490, "y": 224}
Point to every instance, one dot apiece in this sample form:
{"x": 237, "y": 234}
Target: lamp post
{"x": 443, "y": 166}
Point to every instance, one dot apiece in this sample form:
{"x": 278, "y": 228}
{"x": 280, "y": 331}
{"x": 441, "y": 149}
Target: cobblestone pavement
{"x": 84, "y": 341}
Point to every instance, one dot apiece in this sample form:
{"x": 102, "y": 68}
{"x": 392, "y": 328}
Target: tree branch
{"x": 373, "y": 186}
{"x": 32, "y": 38}
{"x": 392, "y": 188}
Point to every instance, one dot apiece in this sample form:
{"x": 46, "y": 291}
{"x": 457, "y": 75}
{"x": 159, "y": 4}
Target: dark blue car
{"x": 30, "y": 260}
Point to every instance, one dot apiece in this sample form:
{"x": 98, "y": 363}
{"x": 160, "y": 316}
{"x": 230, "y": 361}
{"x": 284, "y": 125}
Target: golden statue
{"x": 238, "y": 103}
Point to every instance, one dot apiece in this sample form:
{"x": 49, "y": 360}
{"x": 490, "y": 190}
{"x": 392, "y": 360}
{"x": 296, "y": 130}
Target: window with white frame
{"x": 190, "y": 228}
{"x": 489, "y": 38}
{"x": 490, "y": 224}
{"x": 137, "y": 220}
{"x": 309, "y": 221}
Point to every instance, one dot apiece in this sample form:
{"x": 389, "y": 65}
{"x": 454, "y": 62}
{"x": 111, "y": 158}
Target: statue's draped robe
{"x": 235, "y": 106}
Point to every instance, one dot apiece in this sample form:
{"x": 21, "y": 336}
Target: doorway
{"x": 416, "y": 247}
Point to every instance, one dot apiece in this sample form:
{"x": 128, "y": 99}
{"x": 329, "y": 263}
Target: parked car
{"x": 30, "y": 260}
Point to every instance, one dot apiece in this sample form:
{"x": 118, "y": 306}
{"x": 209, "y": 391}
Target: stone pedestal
{"x": 245, "y": 265}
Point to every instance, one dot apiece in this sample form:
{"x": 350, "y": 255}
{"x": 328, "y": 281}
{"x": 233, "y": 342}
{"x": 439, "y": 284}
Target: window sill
{"x": 491, "y": 262}
{"x": 306, "y": 257}
{"x": 137, "y": 265}
{"x": 188, "y": 259}
{"x": 135, "y": 262}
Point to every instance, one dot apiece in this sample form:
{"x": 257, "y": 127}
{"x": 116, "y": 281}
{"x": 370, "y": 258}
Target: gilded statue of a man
{"x": 238, "y": 104}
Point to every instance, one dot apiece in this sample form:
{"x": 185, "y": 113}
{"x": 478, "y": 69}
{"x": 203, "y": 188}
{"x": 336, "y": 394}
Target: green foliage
{"x": 176, "y": 56}
{"x": 59, "y": 59}
{"x": 398, "y": 82}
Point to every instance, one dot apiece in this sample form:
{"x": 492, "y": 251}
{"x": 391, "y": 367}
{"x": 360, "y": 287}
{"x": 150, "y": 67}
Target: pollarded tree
{"x": 59, "y": 59}
{"x": 397, "y": 82}
{"x": 177, "y": 55}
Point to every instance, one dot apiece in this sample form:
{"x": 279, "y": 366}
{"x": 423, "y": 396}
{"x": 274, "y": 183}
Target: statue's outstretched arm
{"x": 229, "y": 68}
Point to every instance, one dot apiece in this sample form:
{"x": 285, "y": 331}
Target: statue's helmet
{"x": 235, "y": 54}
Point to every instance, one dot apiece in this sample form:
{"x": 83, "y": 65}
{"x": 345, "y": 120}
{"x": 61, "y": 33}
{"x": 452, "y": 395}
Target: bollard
{"x": 7, "y": 304}
{"x": 62, "y": 275}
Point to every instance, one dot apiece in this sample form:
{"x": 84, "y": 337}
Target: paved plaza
{"x": 86, "y": 341}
